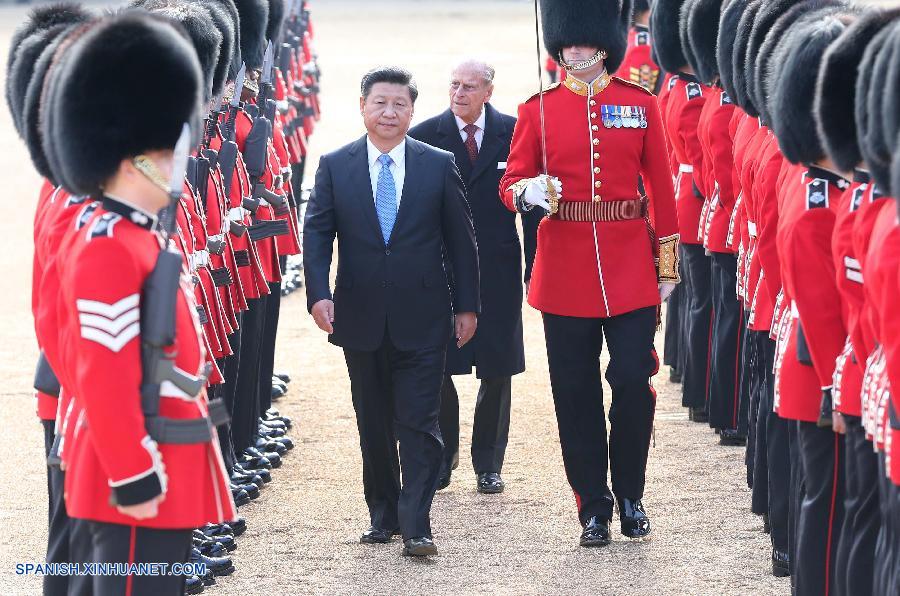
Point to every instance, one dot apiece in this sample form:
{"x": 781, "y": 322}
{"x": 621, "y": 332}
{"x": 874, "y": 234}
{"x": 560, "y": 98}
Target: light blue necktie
{"x": 386, "y": 197}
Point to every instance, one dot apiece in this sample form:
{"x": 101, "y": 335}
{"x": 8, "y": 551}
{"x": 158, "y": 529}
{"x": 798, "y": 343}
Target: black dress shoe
{"x": 378, "y": 535}
{"x": 251, "y": 489}
{"x": 254, "y": 462}
{"x": 263, "y": 473}
{"x": 245, "y": 477}
{"x": 267, "y": 446}
{"x": 674, "y": 375}
{"x": 269, "y": 433}
{"x": 419, "y": 547}
{"x": 697, "y": 415}
{"x": 781, "y": 564}
{"x": 227, "y": 541}
{"x": 218, "y": 565}
{"x": 240, "y": 497}
{"x": 285, "y": 378}
{"x": 274, "y": 458}
{"x": 276, "y": 382}
{"x": 210, "y": 530}
{"x": 193, "y": 585}
{"x": 595, "y": 532}
{"x": 238, "y": 526}
{"x": 208, "y": 579}
{"x": 273, "y": 423}
{"x": 490, "y": 483}
{"x": 443, "y": 481}
{"x": 731, "y": 437}
{"x": 635, "y": 523}
{"x": 277, "y": 393}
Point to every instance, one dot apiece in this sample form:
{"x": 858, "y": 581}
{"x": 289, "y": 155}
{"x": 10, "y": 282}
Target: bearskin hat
{"x": 235, "y": 22}
{"x": 641, "y": 6}
{"x": 42, "y": 26}
{"x": 799, "y": 57}
{"x": 684, "y": 36}
{"x": 593, "y": 23}
{"x": 201, "y": 29}
{"x": 870, "y": 95}
{"x": 665, "y": 25}
{"x": 728, "y": 24}
{"x": 890, "y": 117}
{"x": 276, "y": 20}
{"x": 703, "y": 29}
{"x": 93, "y": 132}
{"x": 739, "y": 58}
{"x": 895, "y": 172}
{"x": 836, "y": 87}
{"x": 224, "y": 25}
{"x": 254, "y": 18}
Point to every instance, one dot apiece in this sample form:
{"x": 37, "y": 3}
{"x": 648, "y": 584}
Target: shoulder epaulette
{"x": 642, "y": 38}
{"x": 672, "y": 80}
{"x": 103, "y": 226}
{"x": 725, "y": 99}
{"x": 85, "y": 214}
{"x": 632, "y": 84}
{"x": 856, "y": 198}
{"x": 550, "y": 87}
{"x": 75, "y": 200}
{"x": 817, "y": 193}
{"x": 693, "y": 90}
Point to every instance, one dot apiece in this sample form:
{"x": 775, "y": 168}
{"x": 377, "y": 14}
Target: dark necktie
{"x": 471, "y": 145}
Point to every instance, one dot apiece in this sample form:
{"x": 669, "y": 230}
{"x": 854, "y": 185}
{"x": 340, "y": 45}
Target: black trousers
{"x": 267, "y": 348}
{"x": 116, "y": 543}
{"x": 795, "y": 497}
{"x": 490, "y": 430}
{"x": 396, "y": 395}
{"x": 725, "y": 353}
{"x": 854, "y": 561}
{"x": 778, "y": 458}
{"x": 698, "y": 324}
{"x": 822, "y": 509}
{"x": 245, "y": 420}
{"x": 674, "y": 338}
{"x": 573, "y": 351}
{"x": 885, "y": 544}
{"x": 762, "y": 352}
{"x": 57, "y": 518}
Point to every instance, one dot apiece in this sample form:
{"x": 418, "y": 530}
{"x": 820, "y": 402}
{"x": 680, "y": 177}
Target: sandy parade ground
{"x": 304, "y": 530}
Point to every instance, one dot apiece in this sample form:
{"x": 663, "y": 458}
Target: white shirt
{"x": 479, "y": 134}
{"x": 397, "y": 167}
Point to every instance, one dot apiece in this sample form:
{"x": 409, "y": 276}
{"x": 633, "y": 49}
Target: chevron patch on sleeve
{"x": 110, "y": 325}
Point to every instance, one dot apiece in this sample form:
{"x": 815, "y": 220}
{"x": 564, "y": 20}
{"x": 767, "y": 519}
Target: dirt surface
{"x": 304, "y": 529}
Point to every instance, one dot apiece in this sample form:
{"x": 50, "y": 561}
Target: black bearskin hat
{"x": 703, "y": 30}
{"x": 836, "y": 87}
{"x": 799, "y": 57}
{"x": 93, "y": 132}
{"x": 224, "y": 25}
{"x": 201, "y": 29}
{"x": 890, "y": 117}
{"x": 873, "y": 137}
{"x": 641, "y": 6}
{"x": 254, "y": 18}
{"x": 728, "y": 24}
{"x": 739, "y": 58}
{"x": 235, "y": 22}
{"x": 276, "y": 20}
{"x": 895, "y": 173}
{"x": 593, "y": 23}
{"x": 43, "y": 25}
{"x": 666, "y": 29}
{"x": 683, "y": 15}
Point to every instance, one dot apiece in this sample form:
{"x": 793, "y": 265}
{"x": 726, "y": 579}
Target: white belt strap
{"x": 236, "y": 214}
{"x": 199, "y": 258}
{"x": 751, "y": 228}
{"x": 685, "y": 168}
{"x": 794, "y": 312}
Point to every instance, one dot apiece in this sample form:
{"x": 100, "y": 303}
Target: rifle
{"x": 159, "y": 298}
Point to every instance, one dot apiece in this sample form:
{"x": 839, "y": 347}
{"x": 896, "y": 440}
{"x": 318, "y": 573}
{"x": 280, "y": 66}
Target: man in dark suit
{"x": 478, "y": 136}
{"x": 395, "y": 205}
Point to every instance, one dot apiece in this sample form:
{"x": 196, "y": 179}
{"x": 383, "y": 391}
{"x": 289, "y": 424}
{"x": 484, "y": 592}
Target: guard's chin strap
{"x": 584, "y": 64}
{"x": 148, "y": 168}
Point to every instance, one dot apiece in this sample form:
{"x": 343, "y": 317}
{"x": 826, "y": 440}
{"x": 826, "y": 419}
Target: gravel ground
{"x": 303, "y": 531}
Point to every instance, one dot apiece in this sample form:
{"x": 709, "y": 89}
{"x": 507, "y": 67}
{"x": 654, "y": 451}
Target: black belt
{"x": 221, "y": 277}
{"x": 242, "y": 258}
{"x": 268, "y": 228}
{"x": 184, "y": 432}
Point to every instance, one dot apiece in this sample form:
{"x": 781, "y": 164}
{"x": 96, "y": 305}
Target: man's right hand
{"x": 145, "y": 510}
{"x": 323, "y": 314}
{"x": 535, "y": 193}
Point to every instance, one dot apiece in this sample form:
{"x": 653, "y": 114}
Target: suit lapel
{"x": 449, "y": 132}
{"x": 410, "y": 183}
{"x": 359, "y": 178}
{"x": 490, "y": 144}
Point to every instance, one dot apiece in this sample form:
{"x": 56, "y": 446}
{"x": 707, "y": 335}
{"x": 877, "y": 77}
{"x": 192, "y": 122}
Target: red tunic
{"x": 594, "y": 269}
{"x": 638, "y": 65}
{"x": 717, "y": 145}
{"x": 105, "y": 266}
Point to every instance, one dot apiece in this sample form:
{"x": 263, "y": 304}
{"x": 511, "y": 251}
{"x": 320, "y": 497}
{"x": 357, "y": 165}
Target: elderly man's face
{"x": 468, "y": 93}
{"x": 387, "y": 111}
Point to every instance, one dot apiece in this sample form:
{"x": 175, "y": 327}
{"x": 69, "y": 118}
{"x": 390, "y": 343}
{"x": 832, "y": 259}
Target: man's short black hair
{"x": 389, "y": 74}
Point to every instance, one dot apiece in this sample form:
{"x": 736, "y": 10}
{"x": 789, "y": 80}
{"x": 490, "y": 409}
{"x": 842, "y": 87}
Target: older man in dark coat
{"x": 478, "y": 135}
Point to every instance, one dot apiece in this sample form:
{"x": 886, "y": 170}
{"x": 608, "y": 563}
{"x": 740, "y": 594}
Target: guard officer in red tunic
{"x": 605, "y": 254}
{"x": 638, "y": 66}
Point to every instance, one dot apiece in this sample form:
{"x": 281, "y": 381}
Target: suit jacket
{"x": 400, "y": 286}
{"x": 497, "y": 348}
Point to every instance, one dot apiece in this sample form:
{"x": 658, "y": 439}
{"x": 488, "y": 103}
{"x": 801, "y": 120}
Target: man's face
{"x": 575, "y": 54}
{"x": 468, "y": 93}
{"x": 387, "y": 111}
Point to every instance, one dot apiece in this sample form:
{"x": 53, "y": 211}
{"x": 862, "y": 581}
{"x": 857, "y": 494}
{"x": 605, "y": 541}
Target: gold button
{"x": 596, "y": 170}
{"x": 596, "y": 156}
{"x": 596, "y": 197}
{"x": 595, "y": 127}
{"x": 597, "y": 184}
{"x": 593, "y": 114}
{"x": 593, "y": 103}
{"x": 596, "y": 141}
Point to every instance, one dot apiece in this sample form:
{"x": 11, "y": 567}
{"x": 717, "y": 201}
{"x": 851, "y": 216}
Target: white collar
{"x": 461, "y": 124}
{"x": 398, "y": 153}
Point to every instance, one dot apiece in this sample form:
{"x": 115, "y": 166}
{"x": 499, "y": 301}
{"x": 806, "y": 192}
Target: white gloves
{"x": 535, "y": 193}
{"x": 665, "y": 289}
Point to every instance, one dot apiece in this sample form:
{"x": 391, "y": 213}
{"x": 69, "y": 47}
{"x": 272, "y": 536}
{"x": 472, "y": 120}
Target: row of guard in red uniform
{"x": 134, "y": 478}
{"x": 782, "y": 122}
